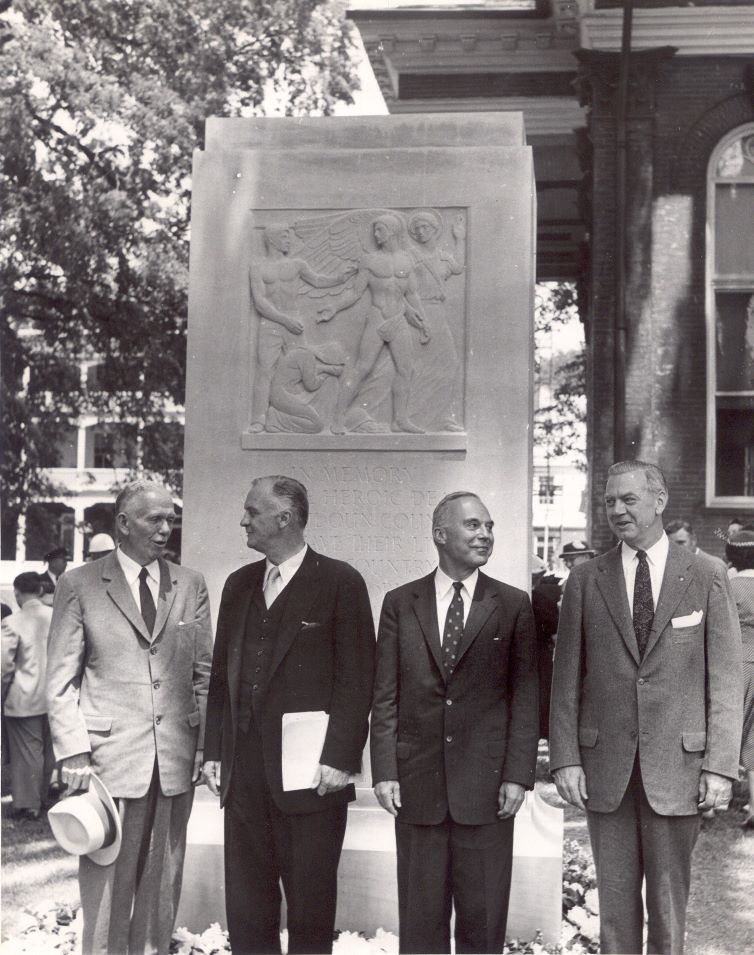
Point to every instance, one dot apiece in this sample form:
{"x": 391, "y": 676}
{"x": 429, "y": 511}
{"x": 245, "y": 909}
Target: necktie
{"x": 272, "y": 586}
{"x": 453, "y": 631}
{"x": 644, "y": 608}
{"x": 148, "y": 611}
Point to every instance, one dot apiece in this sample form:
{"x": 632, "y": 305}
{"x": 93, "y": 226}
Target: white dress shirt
{"x": 444, "y": 594}
{"x": 287, "y": 568}
{"x": 657, "y": 557}
{"x": 132, "y": 570}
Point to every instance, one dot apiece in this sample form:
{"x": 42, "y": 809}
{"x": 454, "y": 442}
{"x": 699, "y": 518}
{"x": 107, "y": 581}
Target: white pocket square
{"x": 690, "y": 620}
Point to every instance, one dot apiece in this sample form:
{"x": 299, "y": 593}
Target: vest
{"x": 261, "y": 631}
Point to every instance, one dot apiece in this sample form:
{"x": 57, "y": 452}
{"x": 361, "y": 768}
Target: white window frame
{"x": 713, "y": 285}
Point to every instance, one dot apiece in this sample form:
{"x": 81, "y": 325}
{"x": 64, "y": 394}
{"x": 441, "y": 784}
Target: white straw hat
{"x": 88, "y": 823}
{"x": 101, "y": 544}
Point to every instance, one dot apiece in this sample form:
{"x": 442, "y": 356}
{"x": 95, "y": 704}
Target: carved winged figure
{"x": 436, "y": 383}
{"x": 374, "y": 242}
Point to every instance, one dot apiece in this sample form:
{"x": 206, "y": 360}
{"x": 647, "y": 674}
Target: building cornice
{"x": 694, "y": 31}
{"x": 545, "y": 116}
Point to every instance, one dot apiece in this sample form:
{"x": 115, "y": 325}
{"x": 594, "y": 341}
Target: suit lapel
{"x": 237, "y": 627}
{"x": 612, "y": 585}
{"x": 425, "y": 608}
{"x": 483, "y": 602}
{"x": 300, "y": 593}
{"x": 165, "y": 599}
{"x": 120, "y": 594}
{"x": 675, "y": 581}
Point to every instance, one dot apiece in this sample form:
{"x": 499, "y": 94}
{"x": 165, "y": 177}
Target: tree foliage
{"x": 103, "y": 103}
{"x": 559, "y": 421}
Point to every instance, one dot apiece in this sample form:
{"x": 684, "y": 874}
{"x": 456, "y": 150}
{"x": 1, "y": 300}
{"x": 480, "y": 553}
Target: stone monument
{"x": 360, "y": 318}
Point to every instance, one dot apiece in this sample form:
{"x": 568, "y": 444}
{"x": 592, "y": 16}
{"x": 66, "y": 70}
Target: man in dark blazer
{"x": 645, "y": 716}
{"x": 57, "y": 561}
{"x": 454, "y": 735}
{"x": 294, "y": 634}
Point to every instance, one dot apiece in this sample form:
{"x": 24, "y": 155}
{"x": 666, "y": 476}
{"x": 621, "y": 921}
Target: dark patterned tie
{"x": 644, "y": 607}
{"x": 451, "y": 635}
{"x": 148, "y": 611}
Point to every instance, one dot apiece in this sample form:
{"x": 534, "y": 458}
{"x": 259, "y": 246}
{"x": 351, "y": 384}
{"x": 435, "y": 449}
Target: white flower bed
{"x": 58, "y": 929}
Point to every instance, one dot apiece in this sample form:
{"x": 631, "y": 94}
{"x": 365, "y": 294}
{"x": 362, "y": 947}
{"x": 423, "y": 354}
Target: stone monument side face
{"x": 360, "y": 319}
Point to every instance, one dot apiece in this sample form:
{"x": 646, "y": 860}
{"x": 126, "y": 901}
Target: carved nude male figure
{"x": 388, "y": 276}
{"x": 274, "y": 285}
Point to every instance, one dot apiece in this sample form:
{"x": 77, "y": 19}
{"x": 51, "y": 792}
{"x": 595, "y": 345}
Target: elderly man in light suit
{"x": 128, "y": 670}
{"x": 645, "y": 718}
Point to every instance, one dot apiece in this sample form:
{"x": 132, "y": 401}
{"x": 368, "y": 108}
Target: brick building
{"x": 652, "y": 168}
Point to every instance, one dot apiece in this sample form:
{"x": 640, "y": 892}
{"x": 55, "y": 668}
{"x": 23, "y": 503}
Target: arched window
{"x": 730, "y": 320}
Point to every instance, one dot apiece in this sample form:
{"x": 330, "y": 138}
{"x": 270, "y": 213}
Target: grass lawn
{"x": 720, "y": 915}
{"x": 35, "y": 871}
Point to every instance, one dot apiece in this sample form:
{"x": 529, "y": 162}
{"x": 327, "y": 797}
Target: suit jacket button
{"x": 449, "y": 702}
{"x": 157, "y": 720}
{"x": 156, "y": 686}
{"x": 641, "y": 681}
{"x": 448, "y": 739}
{"x": 153, "y": 650}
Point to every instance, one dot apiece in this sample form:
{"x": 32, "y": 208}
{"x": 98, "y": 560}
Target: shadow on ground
{"x": 35, "y": 870}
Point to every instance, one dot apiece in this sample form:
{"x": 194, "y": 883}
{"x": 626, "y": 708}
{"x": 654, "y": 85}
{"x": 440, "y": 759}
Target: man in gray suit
{"x": 128, "y": 669}
{"x": 645, "y": 717}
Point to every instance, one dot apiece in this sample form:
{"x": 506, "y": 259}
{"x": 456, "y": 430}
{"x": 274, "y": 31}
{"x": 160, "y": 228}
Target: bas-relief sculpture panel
{"x": 360, "y": 321}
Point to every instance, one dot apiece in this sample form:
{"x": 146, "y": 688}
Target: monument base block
{"x": 367, "y": 886}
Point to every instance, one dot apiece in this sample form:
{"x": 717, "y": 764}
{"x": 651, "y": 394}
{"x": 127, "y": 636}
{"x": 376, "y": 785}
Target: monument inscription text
{"x": 376, "y": 517}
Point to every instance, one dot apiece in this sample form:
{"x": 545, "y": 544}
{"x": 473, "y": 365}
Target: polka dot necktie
{"x": 644, "y": 607}
{"x": 451, "y": 635}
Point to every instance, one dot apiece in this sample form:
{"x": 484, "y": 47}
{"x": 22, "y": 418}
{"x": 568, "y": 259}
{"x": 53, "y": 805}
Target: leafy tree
{"x": 559, "y": 421}
{"x": 103, "y": 103}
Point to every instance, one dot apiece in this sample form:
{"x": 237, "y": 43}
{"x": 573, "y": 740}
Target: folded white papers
{"x": 303, "y": 739}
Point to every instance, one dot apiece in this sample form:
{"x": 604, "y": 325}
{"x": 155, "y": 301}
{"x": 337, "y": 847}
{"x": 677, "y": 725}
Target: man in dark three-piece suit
{"x": 454, "y": 735}
{"x": 645, "y": 716}
{"x": 294, "y": 635}
{"x": 128, "y": 665}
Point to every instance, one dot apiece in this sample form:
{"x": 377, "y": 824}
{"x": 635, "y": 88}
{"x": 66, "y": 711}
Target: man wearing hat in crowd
{"x": 100, "y": 546}
{"x": 128, "y": 668}
{"x": 545, "y": 598}
{"x": 57, "y": 561}
{"x": 575, "y": 553}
